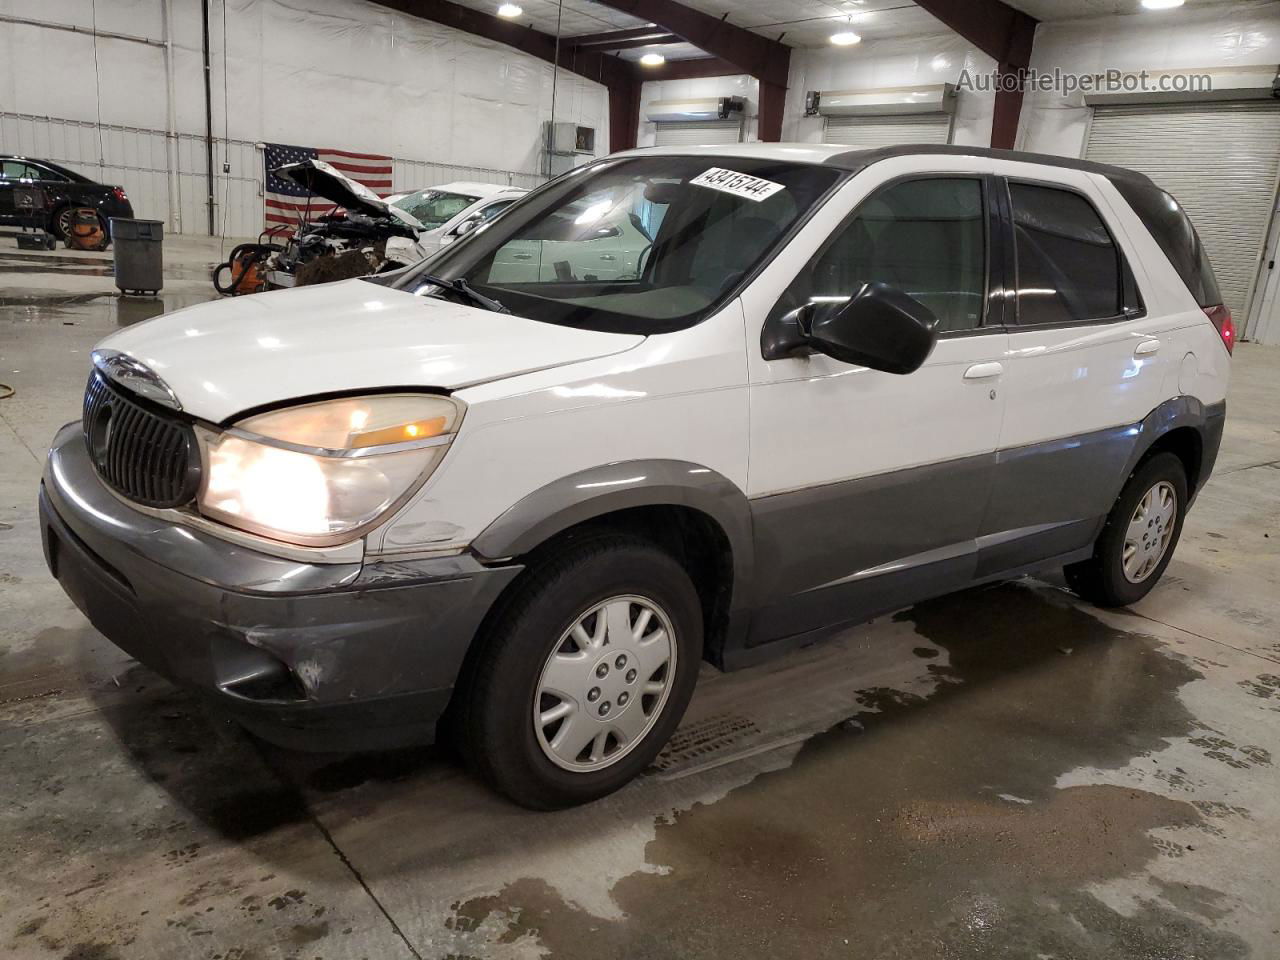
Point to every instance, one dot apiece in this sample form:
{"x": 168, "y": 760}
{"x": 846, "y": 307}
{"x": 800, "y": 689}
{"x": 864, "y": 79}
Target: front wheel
{"x": 584, "y": 675}
{"x": 1139, "y": 537}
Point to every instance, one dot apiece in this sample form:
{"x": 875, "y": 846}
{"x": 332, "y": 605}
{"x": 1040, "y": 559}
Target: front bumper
{"x": 325, "y": 656}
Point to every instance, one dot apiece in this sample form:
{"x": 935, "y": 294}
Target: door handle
{"x": 984, "y": 371}
{"x": 522, "y": 256}
{"x": 1146, "y": 348}
{"x": 607, "y": 256}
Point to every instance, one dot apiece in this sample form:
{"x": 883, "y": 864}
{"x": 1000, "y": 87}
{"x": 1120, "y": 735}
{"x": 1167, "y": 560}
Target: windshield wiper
{"x": 461, "y": 286}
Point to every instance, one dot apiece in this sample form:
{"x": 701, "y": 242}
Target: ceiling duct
{"x": 700, "y": 108}
{"x": 933, "y": 98}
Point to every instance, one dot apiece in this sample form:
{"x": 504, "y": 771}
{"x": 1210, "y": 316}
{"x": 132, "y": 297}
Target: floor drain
{"x": 704, "y": 739}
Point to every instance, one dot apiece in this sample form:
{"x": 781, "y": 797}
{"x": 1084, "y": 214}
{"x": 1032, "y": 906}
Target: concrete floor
{"x": 1001, "y": 773}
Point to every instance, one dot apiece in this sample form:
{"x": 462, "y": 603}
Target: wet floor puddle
{"x": 925, "y": 827}
{"x": 918, "y": 827}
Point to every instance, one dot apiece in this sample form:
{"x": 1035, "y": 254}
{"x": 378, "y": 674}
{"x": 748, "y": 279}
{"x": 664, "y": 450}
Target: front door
{"x": 867, "y": 488}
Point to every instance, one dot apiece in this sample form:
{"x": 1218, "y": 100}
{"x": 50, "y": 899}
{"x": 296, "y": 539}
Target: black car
{"x": 64, "y": 190}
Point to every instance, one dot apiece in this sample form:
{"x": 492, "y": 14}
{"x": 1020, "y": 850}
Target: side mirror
{"x": 466, "y": 226}
{"x": 878, "y": 327}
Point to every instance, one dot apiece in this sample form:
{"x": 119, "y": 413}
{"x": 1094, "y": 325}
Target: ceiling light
{"x": 845, "y": 39}
{"x": 1162, "y": 4}
{"x": 653, "y": 59}
{"x": 510, "y": 11}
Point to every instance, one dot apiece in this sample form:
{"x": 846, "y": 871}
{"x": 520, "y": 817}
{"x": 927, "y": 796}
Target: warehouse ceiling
{"x": 1075, "y": 9}
{"x": 799, "y": 23}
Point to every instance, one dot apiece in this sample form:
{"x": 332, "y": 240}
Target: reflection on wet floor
{"x": 916, "y": 826}
{"x": 941, "y": 831}
{"x": 116, "y": 310}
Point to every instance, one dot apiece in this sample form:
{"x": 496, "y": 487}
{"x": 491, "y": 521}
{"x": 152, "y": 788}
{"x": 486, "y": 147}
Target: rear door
{"x": 868, "y": 488}
{"x": 1086, "y": 364}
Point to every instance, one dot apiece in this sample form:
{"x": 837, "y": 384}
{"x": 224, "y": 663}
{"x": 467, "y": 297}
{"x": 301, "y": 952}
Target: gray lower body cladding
{"x": 845, "y": 552}
{"x": 325, "y": 656}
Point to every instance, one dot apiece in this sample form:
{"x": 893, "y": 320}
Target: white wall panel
{"x": 897, "y": 62}
{"x": 698, "y": 88}
{"x": 329, "y": 73}
{"x": 1191, "y": 38}
{"x": 1220, "y": 160}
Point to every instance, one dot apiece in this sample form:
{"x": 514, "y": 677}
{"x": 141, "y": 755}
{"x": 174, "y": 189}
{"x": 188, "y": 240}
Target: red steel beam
{"x": 625, "y": 44}
{"x": 1003, "y": 33}
{"x": 624, "y": 116}
{"x": 689, "y": 69}
{"x": 766, "y": 60}
{"x": 613, "y": 36}
{"x": 593, "y": 65}
{"x": 749, "y": 52}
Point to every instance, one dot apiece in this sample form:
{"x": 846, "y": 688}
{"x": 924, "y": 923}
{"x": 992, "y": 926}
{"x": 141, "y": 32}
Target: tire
{"x": 532, "y": 648}
{"x": 1103, "y": 579}
{"x": 56, "y": 227}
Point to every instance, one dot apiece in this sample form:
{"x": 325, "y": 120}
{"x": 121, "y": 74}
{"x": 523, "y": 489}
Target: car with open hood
{"x": 679, "y": 405}
{"x": 346, "y": 237}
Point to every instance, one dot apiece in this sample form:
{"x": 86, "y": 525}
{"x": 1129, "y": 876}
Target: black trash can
{"x": 138, "y": 258}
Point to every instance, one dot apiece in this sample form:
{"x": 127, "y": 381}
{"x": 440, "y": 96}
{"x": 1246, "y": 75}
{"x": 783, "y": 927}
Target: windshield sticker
{"x": 739, "y": 184}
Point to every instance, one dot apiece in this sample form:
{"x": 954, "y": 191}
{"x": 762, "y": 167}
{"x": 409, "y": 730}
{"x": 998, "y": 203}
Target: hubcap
{"x": 1150, "y": 530}
{"x": 64, "y": 222}
{"x": 605, "y": 683}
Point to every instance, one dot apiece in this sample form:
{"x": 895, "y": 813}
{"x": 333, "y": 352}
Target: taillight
{"x": 1221, "y": 317}
{"x": 119, "y": 194}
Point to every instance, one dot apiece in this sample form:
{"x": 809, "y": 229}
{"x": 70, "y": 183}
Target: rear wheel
{"x": 1139, "y": 537}
{"x": 585, "y": 674}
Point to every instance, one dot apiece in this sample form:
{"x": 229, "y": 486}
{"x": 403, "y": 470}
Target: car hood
{"x": 325, "y": 181}
{"x": 228, "y": 356}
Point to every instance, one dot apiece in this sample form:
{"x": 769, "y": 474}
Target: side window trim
{"x": 1126, "y": 280}
{"x": 992, "y": 266}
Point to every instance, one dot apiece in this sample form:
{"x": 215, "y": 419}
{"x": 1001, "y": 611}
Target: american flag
{"x": 286, "y": 202}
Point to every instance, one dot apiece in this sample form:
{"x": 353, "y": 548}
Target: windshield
{"x": 434, "y": 208}
{"x": 636, "y": 245}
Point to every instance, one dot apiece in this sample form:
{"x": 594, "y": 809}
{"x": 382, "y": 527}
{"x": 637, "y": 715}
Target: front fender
{"x": 623, "y": 485}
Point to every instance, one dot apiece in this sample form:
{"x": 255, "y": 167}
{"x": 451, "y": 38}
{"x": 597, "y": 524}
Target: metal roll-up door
{"x": 1220, "y": 160}
{"x": 889, "y": 131}
{"x": 694, "y": 133}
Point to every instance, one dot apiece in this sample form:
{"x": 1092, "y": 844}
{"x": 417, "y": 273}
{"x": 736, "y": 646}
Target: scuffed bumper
{"x": 323, "y": 656}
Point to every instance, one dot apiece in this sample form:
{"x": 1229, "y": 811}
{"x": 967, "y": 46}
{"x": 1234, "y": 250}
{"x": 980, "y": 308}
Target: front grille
{"x": 147, "y": 456}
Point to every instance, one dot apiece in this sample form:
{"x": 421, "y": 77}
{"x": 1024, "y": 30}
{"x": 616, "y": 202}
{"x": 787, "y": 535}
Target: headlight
{"x": 320, "y": 474}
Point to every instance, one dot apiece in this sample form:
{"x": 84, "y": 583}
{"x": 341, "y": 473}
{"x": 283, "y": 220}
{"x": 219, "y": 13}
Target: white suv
{"x": 526, "y": 493}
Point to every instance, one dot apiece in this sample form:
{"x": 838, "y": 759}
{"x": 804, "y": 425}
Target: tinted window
{"x": 493, "y": 209}
{"x": 44, "y": 173}
{"x": 925, "y": 237}
{"x": 635, "y": 245}
{"x": 1069, "y": 268}
{"x": 1172, "y": 230}
{"x": 16, "y": 170}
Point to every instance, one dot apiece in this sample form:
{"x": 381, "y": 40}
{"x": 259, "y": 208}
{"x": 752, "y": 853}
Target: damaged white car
{"x": 357, "y": 232}
{"x": 448, "y": 212}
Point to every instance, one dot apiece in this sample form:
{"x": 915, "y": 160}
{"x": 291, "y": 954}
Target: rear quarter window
{"x": 1176, "y": 236}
